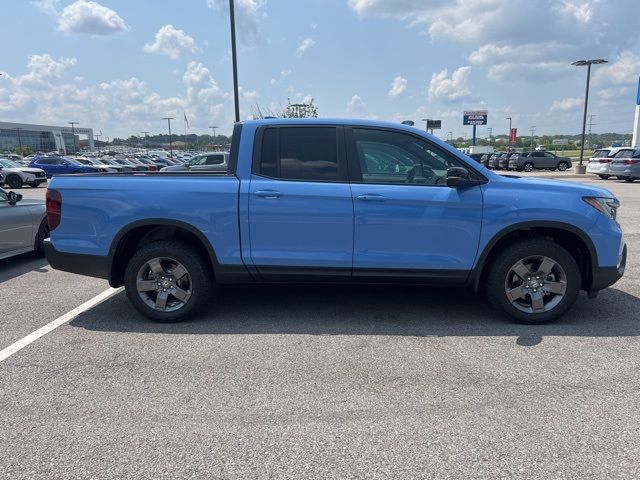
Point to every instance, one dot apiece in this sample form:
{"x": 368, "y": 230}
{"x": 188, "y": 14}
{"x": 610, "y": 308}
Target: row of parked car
{"x": 36, "y": 170}
{"x": 523, "y": 161}
{"x": 622, "y": 163}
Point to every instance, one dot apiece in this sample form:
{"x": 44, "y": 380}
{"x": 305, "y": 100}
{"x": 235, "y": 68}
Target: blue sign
{"x": 474, "y": 118}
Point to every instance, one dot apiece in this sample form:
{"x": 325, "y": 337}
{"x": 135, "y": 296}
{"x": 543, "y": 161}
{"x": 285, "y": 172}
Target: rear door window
{"x": 300, "y": 153}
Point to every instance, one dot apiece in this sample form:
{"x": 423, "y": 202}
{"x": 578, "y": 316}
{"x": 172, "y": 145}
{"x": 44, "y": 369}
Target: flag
{"x": 186, "y": 122}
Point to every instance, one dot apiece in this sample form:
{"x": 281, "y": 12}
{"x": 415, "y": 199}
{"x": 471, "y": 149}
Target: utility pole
{"x": 234, "y": 59}
{"x": 146, "y": 142}
{"x": 591, "y": 124}
{"x": 73, "y": 132}
{"x": 168, "y": 119}
{"x": 532, "y": 130}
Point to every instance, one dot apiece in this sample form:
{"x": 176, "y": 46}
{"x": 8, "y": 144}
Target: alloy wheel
{"x": 164, "y": 284}
{"x": 535, "y": 284}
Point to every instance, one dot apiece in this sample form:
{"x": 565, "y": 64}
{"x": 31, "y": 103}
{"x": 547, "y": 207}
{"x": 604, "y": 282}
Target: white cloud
{"x": 566, "y": 104}
{"x": 120, "y": 106}
{"x": 250, "y": 96}
{"x": 356, "y": 105}
{"x": 305, "y": 45}
{"x": 249, "y": 13}
{"x": 91, "y": 18}
{"x": 624, "y": 70}
{"x": 171, "y": 42}
{"x": 398, "y": 87}
{"x": 580, "y": 12}
{"x": 443, "y": 87}
{"x": 50, "y": 7}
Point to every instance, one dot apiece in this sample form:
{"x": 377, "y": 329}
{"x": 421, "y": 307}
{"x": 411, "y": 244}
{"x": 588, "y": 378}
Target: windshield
{"x": 9, "y": 164}
{"x": 600, "y": 154}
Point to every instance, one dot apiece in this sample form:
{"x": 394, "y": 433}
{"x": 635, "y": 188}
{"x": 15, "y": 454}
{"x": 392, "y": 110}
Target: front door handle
{"x": 371, "y": 197}
{"x": 268, "y": 193}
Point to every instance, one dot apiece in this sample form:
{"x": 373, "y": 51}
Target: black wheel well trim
{"x": 159, "y": 222}
{"x": 476, "y": 274}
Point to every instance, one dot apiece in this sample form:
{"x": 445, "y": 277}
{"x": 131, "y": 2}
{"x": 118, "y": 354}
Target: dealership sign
{"x": 478, "y": 117}
{"x": 434, "y": 124}
{"x": 513, "y": 136}
{"x": 560, "y": 142}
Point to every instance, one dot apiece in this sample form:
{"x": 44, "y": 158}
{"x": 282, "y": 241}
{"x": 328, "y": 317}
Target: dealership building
{"x": 43, "y": 138}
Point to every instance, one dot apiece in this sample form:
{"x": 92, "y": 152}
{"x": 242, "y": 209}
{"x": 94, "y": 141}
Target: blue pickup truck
{"x": 337, "y": 201}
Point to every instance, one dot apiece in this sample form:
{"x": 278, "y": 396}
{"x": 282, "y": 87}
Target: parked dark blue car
{"x": 60, "y": 165}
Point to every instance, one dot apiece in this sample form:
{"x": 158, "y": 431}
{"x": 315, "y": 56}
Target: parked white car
{"x": 16, "y": 175}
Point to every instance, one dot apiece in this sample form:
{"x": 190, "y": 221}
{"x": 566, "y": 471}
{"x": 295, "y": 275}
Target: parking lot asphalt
{"x": 320, "y": 382}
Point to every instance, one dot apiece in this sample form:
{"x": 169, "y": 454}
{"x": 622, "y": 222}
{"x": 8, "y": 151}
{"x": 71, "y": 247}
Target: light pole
{"x": 19, "y": 138}
{"x": 168, "y": 119}
{"x": 146, "y": 142}
{"x": 73, "y": 133}
{"x": 509, "y": 135}
{"x": 213, "y": 127}
{"x": 234, "y": 59}
{"x": 532, "y": 130}
{"x": 581, "y": 63}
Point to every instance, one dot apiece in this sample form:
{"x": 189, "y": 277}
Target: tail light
{"x": 152, "y": 168}
{"x": 631, "y": 161}
{"x": 54, "y": 208}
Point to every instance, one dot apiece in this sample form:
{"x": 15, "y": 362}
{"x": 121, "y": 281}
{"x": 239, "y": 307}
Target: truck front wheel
{"x": 168, "y": 281}
{"x": 533, "y": 281}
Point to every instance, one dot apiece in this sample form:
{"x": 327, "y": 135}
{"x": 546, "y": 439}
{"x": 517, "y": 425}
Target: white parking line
{"x": 32, "y": 337}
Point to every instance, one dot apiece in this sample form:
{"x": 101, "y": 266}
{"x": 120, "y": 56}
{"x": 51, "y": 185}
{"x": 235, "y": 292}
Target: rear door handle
{"x": 268, "y": 193}
{"x": 371, "y": 197}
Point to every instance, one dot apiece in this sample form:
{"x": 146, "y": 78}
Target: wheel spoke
{"x": 521, "y": 270}
{"x": 516, "y": 293}
{"x": 146, "y": 285}
{"x": 161, "y": 300}
{"x": 180, "y": 294}
{"x": 179, "y": 272}
{"x": 537, "y": 302}
{"x": 156, "y": 267}
{"x": 555, "y": 287}
{"x": 546, "y": 267}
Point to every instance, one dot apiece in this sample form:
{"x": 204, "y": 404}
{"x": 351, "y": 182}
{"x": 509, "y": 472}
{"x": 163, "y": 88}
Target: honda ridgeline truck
{"x": 337, "y": 201}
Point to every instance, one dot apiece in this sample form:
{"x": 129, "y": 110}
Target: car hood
{"x": 22, "y": 169}
{"x": 558, "y": 185}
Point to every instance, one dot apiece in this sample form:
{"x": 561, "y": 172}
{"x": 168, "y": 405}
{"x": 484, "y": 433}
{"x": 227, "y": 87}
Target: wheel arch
{"x": 141, "y": 232}
{"x": 570, "y": 237}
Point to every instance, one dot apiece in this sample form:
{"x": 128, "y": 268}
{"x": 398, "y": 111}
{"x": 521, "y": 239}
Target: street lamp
{"x": 213, "y": 127}
{"x": 168, "y": 119}
{"x": 581, "y": 63}
{"x": 73, "y": 133}
{"x": 509, "y": 135}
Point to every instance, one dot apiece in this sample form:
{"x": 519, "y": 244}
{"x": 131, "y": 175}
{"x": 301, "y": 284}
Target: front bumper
{"x": 89, "y": 265}
{"x": 604, "y": 277}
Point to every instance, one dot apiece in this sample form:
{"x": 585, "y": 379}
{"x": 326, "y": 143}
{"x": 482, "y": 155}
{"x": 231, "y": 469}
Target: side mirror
{"x": 457, "y": 177}
{"x": 14, "y": 198}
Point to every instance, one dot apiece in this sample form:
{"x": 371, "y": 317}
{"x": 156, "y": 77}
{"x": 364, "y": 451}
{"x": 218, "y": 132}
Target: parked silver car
{"x": 15, "y": 175}
{"x": 23, "y": 225}
{"x": 207, "y": 162}
{"x": 626, "y": 164}
{"x": 600, "y": 162}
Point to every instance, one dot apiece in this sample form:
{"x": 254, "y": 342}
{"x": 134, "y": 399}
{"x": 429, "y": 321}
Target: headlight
{"x": 607, "y": 206}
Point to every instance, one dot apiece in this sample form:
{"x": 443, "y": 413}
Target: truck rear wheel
{"x": 168, "y": 281}
{"x": 533, "y": 281}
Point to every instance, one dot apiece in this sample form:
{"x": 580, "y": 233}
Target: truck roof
{"x": 331, "y": 121}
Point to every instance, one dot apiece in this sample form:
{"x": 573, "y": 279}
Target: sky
{"x": 119, "y": 66}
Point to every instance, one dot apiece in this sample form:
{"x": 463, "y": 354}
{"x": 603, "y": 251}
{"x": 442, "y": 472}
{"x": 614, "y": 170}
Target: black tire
{"x": 497, "y": 276}
{"x": 562, "y": 166}
{"x": 528, "y": 167}
{"x": 605, "y": 177}
{"x": 14, "y": 181}
{"x": 198, "y": 270}
{"x": 43, "y": 232}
